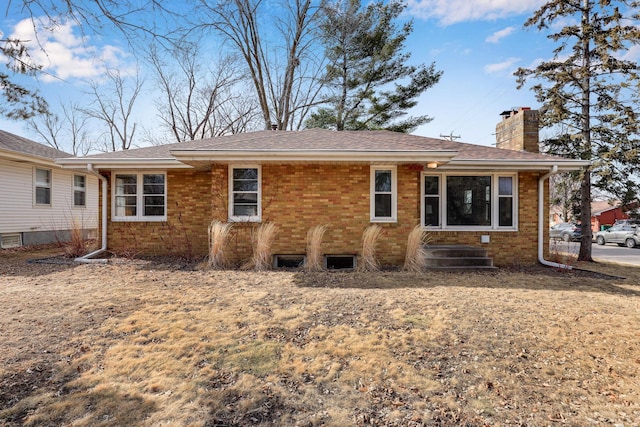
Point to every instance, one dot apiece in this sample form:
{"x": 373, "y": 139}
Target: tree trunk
{"x": 585, "y": 198}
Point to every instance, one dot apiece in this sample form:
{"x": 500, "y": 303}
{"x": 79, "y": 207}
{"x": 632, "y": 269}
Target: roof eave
{"x": 128, "y": 163}
{"x": 564, "y": 165}
{"x": 313, "y": 156}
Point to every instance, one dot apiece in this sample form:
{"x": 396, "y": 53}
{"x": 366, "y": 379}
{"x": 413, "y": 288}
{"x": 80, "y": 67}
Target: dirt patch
{"x": 143, "y": 342}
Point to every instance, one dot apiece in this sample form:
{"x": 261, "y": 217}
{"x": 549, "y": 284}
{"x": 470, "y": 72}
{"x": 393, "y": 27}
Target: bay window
{"x": 139, "y": 196}
{"x": 460, "y": 201}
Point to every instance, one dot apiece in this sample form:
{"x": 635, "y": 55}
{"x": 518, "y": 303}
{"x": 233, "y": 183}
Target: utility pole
{"x": 450, "y": 137}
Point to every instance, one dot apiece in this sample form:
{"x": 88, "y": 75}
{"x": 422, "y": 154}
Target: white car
{"x": 622, "y": 234}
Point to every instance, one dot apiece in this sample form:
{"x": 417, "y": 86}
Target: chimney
{"x": 518, "y": 130}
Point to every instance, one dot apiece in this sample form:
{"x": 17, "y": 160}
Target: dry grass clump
{"x": 370, "y": 239}
{"x": 75, "y": 247}
{"x": 416, "y": 257}
{"x": 218, "y": 235}
{"x": 262, "y": 247}
{"x": 314, "y": 248}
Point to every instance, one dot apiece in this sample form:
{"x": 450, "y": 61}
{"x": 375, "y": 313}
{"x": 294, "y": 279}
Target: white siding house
{"x": 39, "y": 201}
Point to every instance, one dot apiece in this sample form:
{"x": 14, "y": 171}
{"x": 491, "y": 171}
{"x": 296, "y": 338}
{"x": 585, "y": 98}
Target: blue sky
{"x": 477, "y": 44}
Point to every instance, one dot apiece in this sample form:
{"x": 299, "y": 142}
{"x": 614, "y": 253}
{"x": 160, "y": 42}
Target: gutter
{"x": 86, "y": 258}
{"x": 541, "y": 213}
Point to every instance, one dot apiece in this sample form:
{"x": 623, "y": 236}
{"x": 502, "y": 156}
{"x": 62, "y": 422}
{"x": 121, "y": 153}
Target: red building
{"x": 606, "y": 216}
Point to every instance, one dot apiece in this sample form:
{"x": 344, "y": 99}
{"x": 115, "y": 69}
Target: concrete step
{"x": 457, "y": 258}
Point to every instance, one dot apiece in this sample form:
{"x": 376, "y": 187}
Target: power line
{"x": 450, "y": 137}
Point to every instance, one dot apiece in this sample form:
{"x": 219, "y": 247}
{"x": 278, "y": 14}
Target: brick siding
{"x": 297, "y": 197}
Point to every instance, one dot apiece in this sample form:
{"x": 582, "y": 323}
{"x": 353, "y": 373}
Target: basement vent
{"x": 288, "y": 261}
{"x": 340, "y": 262}
{"x": 10, "y": 240}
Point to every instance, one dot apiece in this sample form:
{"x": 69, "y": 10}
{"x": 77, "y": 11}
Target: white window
{"x": 245, "y": 193}
{"x": 471, "y": 202}
{"x": 42, "y": 188}
{"x": 139, "y": 196}
{"x": 79, "y": 190}
{"x": 505, "y": 201}
{"x": 384, "y": 194}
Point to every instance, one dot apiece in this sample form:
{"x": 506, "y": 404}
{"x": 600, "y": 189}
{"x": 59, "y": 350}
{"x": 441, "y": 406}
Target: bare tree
{"x": 200, "y": 101}
{"x": 67, "y": 132}
{"x": 282, "y": 91}
{"x": 113, "y": 103}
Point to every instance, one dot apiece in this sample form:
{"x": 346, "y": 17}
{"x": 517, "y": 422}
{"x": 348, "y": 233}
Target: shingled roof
{"x": 18, "y": 145}
{"x": 319, "y": 145}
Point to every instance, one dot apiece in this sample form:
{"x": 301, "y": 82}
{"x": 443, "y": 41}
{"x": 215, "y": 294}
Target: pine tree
{"x": 20, "y": 102}
{"x": 590, "y": 87}
{"x": 370, "y": 82}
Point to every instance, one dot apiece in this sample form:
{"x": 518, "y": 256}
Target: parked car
{"x": 622, "y": 234}
{"x": 626, "y": 222}
{"x": 566, "y": 231}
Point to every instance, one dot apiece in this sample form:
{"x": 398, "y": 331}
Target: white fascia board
{"x": 314, "y": 156}
{"x": 98, "y": 163}
{"x": 564, "y": 165}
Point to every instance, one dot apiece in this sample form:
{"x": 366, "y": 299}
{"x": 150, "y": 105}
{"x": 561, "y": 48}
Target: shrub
{"x": 75, "y": 247}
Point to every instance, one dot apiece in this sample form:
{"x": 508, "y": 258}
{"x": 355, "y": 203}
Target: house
{"x": 40, "y": 201}
{"x": 160, "y": 200}
{"x": 606, "y": 214}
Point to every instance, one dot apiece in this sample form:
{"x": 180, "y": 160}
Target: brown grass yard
{"x": 140, "y": 343}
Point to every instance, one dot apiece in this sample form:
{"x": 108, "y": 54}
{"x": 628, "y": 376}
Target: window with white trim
{"x": 42, "y": 188}
{"x": 79, "y": 190}
{"x": 431, "y": 200}
{"x": 245, "y": 193}
{"x": 139, "y": 196}
{"x": 505, "y": 201}
{"x": 384, "y": 194}
{"x": 460, "y": 201}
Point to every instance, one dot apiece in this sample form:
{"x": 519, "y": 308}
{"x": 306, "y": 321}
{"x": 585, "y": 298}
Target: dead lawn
{"x": 138, "y": 343}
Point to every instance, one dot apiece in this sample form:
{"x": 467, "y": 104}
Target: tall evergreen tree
{"x": 371, "y": 83}
{"x": 592, "y": 88}
{"x": 19, "y": 102}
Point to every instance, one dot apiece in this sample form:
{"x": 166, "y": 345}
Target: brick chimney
{"x": 518, "y": 130}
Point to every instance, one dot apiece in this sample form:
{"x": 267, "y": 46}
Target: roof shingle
{"x": 20, "y": 145}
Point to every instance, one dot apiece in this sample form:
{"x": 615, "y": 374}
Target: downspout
{"x": 103, "y": 248}
{"x": 541, "y": 213}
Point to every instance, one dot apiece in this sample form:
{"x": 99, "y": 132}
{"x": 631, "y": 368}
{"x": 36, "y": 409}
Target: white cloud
{"x": 631, "y": 54}
{"x": 501, "y": 66}
{"x": 499, "y": 35}
{"x": 453, "y": 11}
{"x": 64, "y": 55}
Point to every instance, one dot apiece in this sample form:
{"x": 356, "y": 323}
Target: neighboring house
{"x": 605, "y": 215}
{"x": 39, "y": 200}
{"x": 161, "y": 199}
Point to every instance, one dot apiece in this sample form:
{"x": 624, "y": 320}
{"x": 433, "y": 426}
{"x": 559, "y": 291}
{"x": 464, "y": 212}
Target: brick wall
{"x": 298, "y": 197}
{"x": 184, "y": 233}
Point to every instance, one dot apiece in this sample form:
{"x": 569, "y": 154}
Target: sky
{"x": 477, "y": 44}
